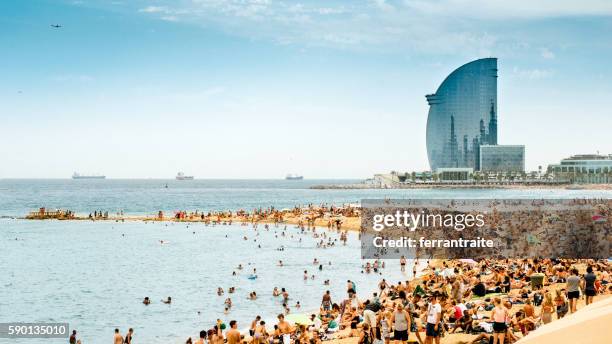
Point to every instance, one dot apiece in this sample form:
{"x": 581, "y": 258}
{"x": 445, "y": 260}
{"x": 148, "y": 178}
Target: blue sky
{"x": 261, "y": 88}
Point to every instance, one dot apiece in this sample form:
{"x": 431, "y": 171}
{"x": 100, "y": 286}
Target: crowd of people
{"x": 493, "y": 301}
{"x": 490, "y": 301}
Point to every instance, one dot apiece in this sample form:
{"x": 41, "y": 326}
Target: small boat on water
{"x": 292, "y": 176}
{"x": 182, "y": 176}
{"x": 77, "y": 175}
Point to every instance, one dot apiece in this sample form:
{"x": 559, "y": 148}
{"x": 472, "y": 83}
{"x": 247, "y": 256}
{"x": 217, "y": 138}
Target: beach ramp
{"x": 590, "y": 324}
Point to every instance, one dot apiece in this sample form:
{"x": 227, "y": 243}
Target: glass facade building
{"x": 502, "y": 158}
{"x": 585, "y": 168}
{"x": 463, "y": 116}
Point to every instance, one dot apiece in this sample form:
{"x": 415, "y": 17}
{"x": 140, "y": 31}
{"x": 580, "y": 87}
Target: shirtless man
{"x": 118, "y": 339}
{"x": 284, "y": 329}
{"x": 326, "y": 301}
{"x": 233, "y": 335}
{"x": 202, "y": 339}
{"x": 254, "y": 325}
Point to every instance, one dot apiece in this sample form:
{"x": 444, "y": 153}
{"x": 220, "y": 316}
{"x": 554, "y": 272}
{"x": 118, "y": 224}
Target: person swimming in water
{"x": 146, "y": 300}
{"x": 168, "y": 300}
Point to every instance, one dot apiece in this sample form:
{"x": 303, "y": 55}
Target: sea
{"x": 94, "y": 275}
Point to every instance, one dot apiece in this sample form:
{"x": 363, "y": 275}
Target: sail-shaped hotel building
{"x": 463, "y": 116}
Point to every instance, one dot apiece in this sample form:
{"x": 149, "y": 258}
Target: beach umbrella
{"x": 301, "y": 319}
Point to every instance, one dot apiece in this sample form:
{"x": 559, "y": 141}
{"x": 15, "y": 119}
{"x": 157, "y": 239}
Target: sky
{"x": 262, "y": 88}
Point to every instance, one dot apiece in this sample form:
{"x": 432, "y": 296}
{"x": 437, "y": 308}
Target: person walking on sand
{"x": 589, "y": 285}
{"x": 573, "y": 289}
{"x": 499, "y": 314}
{"x": 117, "y": 339}
{"x": 401, "y": 323}
{"x": 434, "y": 315}
{"x": 233, "y": 335}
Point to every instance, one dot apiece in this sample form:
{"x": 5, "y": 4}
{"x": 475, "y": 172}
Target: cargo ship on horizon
{"x": 182, "y": 176}
{"x": 292, "y": 176}
{"x": 77, "y": 175}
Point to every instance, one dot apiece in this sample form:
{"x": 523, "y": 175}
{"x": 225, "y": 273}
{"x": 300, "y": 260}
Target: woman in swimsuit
{"x": 499, "y": 316}
{"x": 561, "y": 302}
{"x": 383, "y": 320}
{"x": 547, "y": 308}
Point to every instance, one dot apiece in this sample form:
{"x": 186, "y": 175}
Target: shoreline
{"x": 313, "y": 216}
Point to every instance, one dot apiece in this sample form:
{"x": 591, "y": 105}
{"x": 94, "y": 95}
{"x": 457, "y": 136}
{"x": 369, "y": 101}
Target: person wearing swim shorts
{"x": 285, "y": 329}
{"x": 589, "y": 285}
{"x": 326, "y": 301}
{"x": 401, "y": 323}
{"x": 499, "y": 314}
{"x": 573, "y": 289}
{"x": 434, "y": 315}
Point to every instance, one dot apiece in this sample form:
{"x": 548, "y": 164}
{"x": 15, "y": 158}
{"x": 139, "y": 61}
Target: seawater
{"x": 94, "y": 275}
{"x": 147, "y": 196}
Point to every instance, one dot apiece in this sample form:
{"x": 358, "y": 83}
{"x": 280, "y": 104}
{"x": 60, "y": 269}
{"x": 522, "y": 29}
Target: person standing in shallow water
{"x": 118, "y": 339}
{"x": 402, "y": 263}
{"x": 326, "y": 301}
{"x": 128, "y": 336}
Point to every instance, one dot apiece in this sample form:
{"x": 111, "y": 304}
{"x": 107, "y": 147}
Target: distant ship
{"x": 182, "y": 176}
{"x": 291, "y": 176}
{"x": 82, "y": 176}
